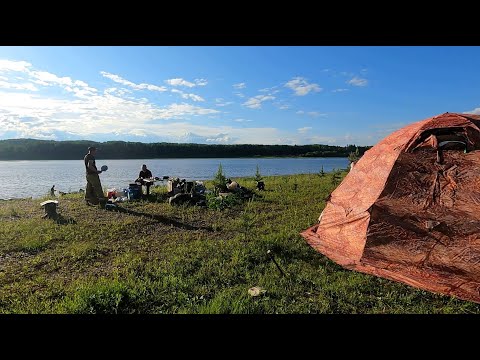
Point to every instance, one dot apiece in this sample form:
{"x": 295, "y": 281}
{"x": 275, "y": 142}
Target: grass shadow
{"x": 61, "y": 220}
{"x": 162, "y": 219}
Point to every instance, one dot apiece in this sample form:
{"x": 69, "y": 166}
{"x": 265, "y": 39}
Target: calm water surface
{"x": 20, "y": 179}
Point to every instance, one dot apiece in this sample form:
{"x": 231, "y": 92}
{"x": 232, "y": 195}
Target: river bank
{"x": 158, "y": 258}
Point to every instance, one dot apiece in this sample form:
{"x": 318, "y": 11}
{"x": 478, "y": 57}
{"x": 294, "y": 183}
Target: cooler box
{"x": 134, "y": 192}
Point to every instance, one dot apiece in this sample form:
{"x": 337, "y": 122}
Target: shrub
{"x": 354, "y": 156}
{"x": 220, "y": 181}
{"x": 258, "y": 176}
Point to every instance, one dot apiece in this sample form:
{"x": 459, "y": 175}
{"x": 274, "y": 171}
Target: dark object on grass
{"x": 260, "y": 185}
{"x": 201, "y": 203}
{"x": 180, "y": 198}
{"x": 102, "y": 203}
{"x": 270, "y": 255}
{"x": 110, "y": 206}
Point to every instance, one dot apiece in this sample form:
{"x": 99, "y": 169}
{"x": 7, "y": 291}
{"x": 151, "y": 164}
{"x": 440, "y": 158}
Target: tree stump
{"x": 50, "y": 207}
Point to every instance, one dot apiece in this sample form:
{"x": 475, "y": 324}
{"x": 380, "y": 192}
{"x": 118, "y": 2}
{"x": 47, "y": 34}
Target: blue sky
{"x": 231, "y": 95}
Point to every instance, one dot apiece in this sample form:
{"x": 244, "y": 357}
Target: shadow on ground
{"x": 161, "y": 219}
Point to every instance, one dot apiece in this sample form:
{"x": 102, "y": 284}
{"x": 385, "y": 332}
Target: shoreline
{"x": 162, "y": 184}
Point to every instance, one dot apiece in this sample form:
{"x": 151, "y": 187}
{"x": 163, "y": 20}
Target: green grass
{"x": 186, "y": 259}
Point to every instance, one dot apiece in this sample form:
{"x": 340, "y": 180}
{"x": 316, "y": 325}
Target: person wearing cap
{"x": 93, "y": 192}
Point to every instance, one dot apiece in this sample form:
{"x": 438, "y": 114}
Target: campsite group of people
{"x": 94, "y": 192}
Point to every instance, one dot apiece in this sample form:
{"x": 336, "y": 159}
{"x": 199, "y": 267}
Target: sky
{"x": 333, "y": 95}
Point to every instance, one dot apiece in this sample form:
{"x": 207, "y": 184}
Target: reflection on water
{"x": 19, "y": 179}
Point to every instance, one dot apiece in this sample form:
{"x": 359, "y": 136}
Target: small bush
{"x": 354, "y": 156}
{"x": 220, "y": 181}
{"x": 258, "y": 176}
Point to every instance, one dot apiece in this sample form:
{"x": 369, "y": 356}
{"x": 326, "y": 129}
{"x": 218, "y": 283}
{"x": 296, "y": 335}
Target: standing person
{"x": 93, "y": 192}
{"x": 52, "y": 191}
{"x": 145, "y": 174}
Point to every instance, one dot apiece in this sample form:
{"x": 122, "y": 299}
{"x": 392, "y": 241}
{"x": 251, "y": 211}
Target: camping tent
{"x": 409, "y": 210}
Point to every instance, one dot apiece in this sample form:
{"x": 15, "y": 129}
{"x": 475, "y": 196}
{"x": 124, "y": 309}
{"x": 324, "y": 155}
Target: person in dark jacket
{"x": 145, "y": 177}
{"x": 144, "y": 173}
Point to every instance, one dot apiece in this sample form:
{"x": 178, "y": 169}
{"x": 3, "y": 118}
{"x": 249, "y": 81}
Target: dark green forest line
{"x": 31, "y": 149}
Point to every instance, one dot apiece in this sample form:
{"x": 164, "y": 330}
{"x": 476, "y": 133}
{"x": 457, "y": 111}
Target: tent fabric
{"x": 411, "y": 213}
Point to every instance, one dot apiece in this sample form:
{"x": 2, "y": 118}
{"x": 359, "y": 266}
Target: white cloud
{"x": 79, "y": 111}
{"x": 240, "y": 86}
{"x": 226, "y": 103}
{"x": 222, "y": 102}
{"x": 242, "y": 120}
{"x": 49, "y": 79}
{"x": 240, "y": 95}
{"x": 11, "y": 65}
{"x": 220, "y": 138}
{"x": 357, "y": 81}
{"x": 194, "y": 97}
{"x": 187, "y": 96}
{"x": 138, "y": 132}
{"x": 304, "y": 130}
{"x": 117, "y": 91}
{"x": 93, "y": 114}
{"x": 315, "y": 114}
{"x": 284, "y": 106}
{"x": 475, "y": 111}
{"x": 339, "y": 90}
{"x": 271, "y": 90}
{"x": 133, "y": 85}
{"x": 256, "y": 102}
{"x": 18, "y": 86}
{"x": 179, "y": 110}
{"x": 201, "y": 82}
{"x": 300, "y": 112}
{"x": 301, "y": 87}
{"x": 77, "y": 87}
{"x": 180, "y": 82}
{"x": 316, "y": 139}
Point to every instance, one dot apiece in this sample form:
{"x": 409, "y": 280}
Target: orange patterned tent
{"x": 409, "y": 210}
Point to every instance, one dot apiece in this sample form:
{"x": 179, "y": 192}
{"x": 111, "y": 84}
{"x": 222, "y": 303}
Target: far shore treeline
{"x": 32, "y": 149}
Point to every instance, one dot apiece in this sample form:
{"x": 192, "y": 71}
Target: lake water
{"x": 21, "y": 179}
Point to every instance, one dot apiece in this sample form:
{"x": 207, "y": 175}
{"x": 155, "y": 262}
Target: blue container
{"x": 134, "y": 192}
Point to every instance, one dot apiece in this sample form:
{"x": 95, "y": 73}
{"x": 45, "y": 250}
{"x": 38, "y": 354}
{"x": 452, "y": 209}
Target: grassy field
{"x": 158, "y": 258}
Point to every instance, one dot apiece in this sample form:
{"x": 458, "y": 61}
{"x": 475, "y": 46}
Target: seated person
{"x": 145, "y": 174}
